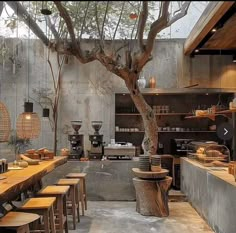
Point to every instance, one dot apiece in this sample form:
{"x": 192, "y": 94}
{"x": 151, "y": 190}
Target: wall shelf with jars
{"x": 173, "y": 114}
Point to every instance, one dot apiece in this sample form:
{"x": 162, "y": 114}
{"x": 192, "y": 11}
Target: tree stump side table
{"x": 152, "y": 195}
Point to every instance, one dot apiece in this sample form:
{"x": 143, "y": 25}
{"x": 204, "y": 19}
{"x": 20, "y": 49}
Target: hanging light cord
{"x": 28, "y": 51}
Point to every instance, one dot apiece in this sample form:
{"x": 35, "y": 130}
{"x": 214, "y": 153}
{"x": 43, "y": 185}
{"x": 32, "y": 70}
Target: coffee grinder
{"x": 96, "y": 151}
{"x": 76, "y": 141}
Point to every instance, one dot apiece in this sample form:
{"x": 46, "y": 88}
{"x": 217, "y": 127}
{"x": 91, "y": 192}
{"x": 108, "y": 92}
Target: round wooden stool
{"x": 73, "y": 197}
{"x": 43, "y": 207}
{"x": 17, "y": 221}
{"x": 83, "y": 192}
{"x": 60, "y": 192}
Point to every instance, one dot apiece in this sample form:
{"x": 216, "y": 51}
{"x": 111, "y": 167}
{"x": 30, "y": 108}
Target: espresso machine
{"x": 96, "y": 151}
{"x": 76, "y": 141}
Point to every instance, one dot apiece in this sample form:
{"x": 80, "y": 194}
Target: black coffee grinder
{"x": 96, "y": 151}
{"x": 76, "y": 141}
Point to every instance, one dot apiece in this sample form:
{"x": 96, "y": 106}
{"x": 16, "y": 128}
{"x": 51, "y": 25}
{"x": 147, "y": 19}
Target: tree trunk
{"x": 152, "y": 196}
{"x": 149, "y": 119}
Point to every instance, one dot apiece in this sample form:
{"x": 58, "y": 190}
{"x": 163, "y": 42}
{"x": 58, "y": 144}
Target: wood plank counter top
{"x": 219, "y": 172}
{"x": 19, "y": 180}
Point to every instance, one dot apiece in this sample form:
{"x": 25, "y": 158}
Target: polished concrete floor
{"x": 121, "y": 217}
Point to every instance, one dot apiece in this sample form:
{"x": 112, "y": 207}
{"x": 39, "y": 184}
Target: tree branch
{"x": 84, "y": 20}
{"x": 99, "y": 32}
{"x": 76, "y": 50}
{"x": 141, "y": 24}
{"x": 1, "y": 7}
{"x": 156, "y": 27}
{"x": 65, "y": 15}
{"x": 52, "y": 27}
{"x": 28, "y": 20}
{"x": 135, "y": 24}
{"x": 104, "y": 19}
{"x": 117, "y": 25}
{"x": 182, "y": 12}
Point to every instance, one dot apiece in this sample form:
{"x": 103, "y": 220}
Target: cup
{"x": 4, "y": 165}
{"x": 1, "y": 167}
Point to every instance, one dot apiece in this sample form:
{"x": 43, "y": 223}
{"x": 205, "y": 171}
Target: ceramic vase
{"x": 141, "y": 82}
{"x": 152, "y": 82}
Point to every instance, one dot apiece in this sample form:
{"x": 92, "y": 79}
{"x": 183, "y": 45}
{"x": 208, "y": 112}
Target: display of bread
{"x": 200, "y": 150}
{"x": 28, "y": 160}
{"x": 201, "y": 112}
{"x": 213, "y": 153}
{"x": 65, "y": 152}
{"x": 30, "y": 151}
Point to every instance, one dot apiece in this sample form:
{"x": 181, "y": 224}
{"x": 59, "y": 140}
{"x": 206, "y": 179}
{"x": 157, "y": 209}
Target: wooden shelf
{"x": 199, "y": 131}
{"x": 210, "y": 116}
{"x": 226, "y": 111}
{"x": 173, "y": 114}
{"x": 128, "y": 114}
{"x": 157, "y": 114}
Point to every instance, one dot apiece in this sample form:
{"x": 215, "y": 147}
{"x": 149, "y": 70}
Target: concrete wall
{"x": 88, "y": 90}
{"x": 212, "y": 197}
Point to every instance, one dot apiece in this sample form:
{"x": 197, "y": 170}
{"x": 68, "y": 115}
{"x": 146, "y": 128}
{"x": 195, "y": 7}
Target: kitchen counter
{"x": 212, "y": 192}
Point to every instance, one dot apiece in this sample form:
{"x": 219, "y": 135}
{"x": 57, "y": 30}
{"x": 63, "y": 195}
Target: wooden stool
{"x": 17, "y": 221}
{"x": 44, "y": 207}
{"x": 83, "y": 192}
{"x": 60, "y": 193}
{"x": 73, "y": 199}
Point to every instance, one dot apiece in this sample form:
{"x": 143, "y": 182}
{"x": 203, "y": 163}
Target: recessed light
{"x": 214, "y": 30}
{"x": 207, "y": 94}
{"x": 196, "y": 50}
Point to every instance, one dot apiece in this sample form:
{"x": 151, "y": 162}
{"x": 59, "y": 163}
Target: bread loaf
{"x": 213, "y": 153}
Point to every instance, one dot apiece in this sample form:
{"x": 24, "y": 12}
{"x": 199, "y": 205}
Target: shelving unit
{"x": 180, "y": 112}
{"x": 203, "y": 131}
{"x": 157, "y": 114}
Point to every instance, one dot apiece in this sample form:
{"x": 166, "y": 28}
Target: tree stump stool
{"x": 152, "y": 196}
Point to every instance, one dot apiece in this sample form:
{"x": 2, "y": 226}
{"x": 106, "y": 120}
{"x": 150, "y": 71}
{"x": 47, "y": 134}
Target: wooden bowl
{"x": 155, "y": 168}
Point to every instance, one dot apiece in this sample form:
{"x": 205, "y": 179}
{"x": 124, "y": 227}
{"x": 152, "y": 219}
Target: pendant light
{"x": 44, "y": 9}
{"x": 28, "y": 123}
{"x": 46, "y": 111}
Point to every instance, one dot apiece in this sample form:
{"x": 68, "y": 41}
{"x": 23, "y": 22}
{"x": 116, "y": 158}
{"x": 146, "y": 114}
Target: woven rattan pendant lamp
{"x": 28, "y": 123}
{"x": 5, "y": 123}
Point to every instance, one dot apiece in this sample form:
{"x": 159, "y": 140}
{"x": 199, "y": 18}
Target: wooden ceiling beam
{"x": 209, "y": 18}
{"x": 28, "y": 20}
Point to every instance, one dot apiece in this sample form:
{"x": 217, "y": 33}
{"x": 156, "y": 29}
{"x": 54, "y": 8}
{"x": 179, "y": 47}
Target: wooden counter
{"x": 18, "y": 181}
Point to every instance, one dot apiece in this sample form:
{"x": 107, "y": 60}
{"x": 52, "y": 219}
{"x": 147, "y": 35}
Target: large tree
{"x": 103, "y": 21}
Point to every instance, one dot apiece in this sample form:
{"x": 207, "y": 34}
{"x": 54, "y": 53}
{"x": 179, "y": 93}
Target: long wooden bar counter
{"x": 18, "y": 181}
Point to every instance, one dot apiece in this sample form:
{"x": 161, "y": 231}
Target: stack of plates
{"x": 156, "y": 160}
{"x": 144, "y": 164}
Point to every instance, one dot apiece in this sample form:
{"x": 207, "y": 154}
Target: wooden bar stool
{"x": 17, "y": 221}
{"x": 73, "y": 197}
{"x": 83, "y": 192}
{"x": 60, "y": 192}
{"x": 43, "y": 207}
